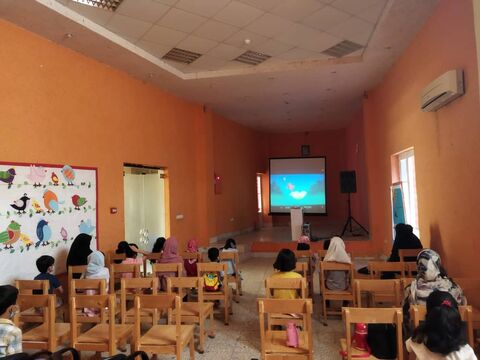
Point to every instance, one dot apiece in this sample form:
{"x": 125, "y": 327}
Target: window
{"x": 259, "y": 193}
{"x": 406, "y": 174}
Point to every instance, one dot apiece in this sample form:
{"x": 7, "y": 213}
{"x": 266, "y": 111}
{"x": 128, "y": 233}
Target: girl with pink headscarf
{"x": 190, "y": 265}
{"x": 169, "y": 256}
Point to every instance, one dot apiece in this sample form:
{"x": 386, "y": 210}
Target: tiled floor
{"x": 241, "y": 339}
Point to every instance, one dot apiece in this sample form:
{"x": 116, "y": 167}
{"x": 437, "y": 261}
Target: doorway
{"x": 145, "y": 204}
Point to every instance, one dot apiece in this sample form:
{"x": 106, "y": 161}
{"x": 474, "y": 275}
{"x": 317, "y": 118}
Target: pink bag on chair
{"x": 292, "y": 334}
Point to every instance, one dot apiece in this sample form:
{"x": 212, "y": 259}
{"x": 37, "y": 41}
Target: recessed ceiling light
{"x": 247, "y": 41}
{"x": 68, "y": 35}
{"x": 110, "y": 5}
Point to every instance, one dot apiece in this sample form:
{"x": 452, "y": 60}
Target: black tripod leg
{"x": 345, "y": 226}
{"x": 360, "y": 225}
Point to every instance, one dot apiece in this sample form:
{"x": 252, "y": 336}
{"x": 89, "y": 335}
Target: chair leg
{"x": 239, "y": 286}
{"x": 201, "y": 344}
{"x": 192, "y": 349}
{"x": 211, "y": 326}
{"x": 226, "y": 308}
{"x": 324, "y": 311}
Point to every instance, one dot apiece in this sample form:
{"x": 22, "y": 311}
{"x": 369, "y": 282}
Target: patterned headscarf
{"x": 431, "y": 277}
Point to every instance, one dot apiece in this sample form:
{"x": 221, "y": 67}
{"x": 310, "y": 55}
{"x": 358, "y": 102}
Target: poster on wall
{"x": 398, "y": 206}
{"x": 42, "y": 209}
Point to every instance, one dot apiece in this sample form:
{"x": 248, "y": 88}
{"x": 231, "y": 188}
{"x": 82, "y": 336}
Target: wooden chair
{"x": 101, "y": 337}
{"x": 370, "y": 316}
{"x": 327, "y": 294}
{"x": 376, "y": 268}
{"x": 163, "y": 339}
{"x": 223, "y": 294}
{"x": 236, "y": 278}
{"x": 48, "y": 335}
{"x": 404, "y": 254}
{"x": 302, "y": 269}
{"x": 471, "y": 289}
{"x": 273, "y": 344}
{"x": 159, "y": 269}
{"x": 28, "y": 287}
{"x": 378, "y": 291}
{"x": 418, "y": 313}
{"x": 132, "y": 287}
{"x": 152, "y": 258}
{"x": 117, "y": 272}
{"x": 74, "y": 270}
{"x": 410, "y": 269}
{"x": 82, "y": 287}
{"x": 194, "y": 312}
{"x": 404, "y": 282}
{"x": 305, "y": 257}
{"x": 321, "y": 254}
{"x": 192, "y": 256}
{"x": 298, "y": 285}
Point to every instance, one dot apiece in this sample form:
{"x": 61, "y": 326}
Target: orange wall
{"x": 329, "y": 143}
{"x": 446, "y": 142}
{"x": 57, "y": 106}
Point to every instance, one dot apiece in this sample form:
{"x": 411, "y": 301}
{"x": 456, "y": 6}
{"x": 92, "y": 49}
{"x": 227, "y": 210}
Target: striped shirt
{"x": 10, "y": 338}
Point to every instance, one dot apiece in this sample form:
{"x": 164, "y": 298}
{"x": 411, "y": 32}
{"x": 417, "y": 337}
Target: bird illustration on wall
{"x": 64, "y": 234}
{"x": 50, "y": 200}
{"x": 86, "y": 227}
{"x": 21, "y": 204}
{"x": 69, "y": 174}
{"x": 36, "y": 175}
{"x": 11, "y": 235}
{"x": 44, "y": 233}
{"x": 26, "y": 241}
{"x": 78, "y": 201}
{"x": 8, "y": 176}
{"x": 36, "y": 206}
{"x": 54, "y": 178}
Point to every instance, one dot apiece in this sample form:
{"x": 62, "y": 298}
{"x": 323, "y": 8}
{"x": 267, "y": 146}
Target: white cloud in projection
{"x": 298, "y": 195}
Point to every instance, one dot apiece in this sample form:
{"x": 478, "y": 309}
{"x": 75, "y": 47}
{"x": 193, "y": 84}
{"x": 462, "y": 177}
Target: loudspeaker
{"x": 348, "y": 182}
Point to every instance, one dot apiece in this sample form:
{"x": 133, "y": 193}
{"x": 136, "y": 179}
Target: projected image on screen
{"x": 297, "y": 183}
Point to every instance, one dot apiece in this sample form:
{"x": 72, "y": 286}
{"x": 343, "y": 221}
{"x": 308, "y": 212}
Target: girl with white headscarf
{"x": 337, "y": 279}
{"x": 96, "y": 270}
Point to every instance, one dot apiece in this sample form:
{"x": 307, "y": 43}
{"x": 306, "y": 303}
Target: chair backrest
{"x": 44, "y": 302}
{"x": 192, "y": 256}
{"x": 135, "y": 286}
{"x": 301, "y": 268}
{"x": 373, "y": 316}
{"x": 406, "y": 282}
{"x": 176, "y": 268}
{"x": 383, "y": 288}
{"x": 112, "y": 256}
{"x": 410, "y": 269}
{"x": 26, "y": 287}
{"x": 326, "y": 266}
{"x": 302, "y": 254}
{"x": 74, "y": 269}
{"x": 162, "y": 303}
{"x": 377, "y": 267}
{"x": 408, "y": 253}
{"x": 211, "y": 267}
{"x": 175, "y": 285}
{"x": 79, "y": 286}
{"x": 303, "y": 307}
{"x": 117, "y": 270}
{"x": 321, "y": 254}
{"x": 418, "y": 313}
{"x": 272, "y": 284}
{"x": 231, "y": 256}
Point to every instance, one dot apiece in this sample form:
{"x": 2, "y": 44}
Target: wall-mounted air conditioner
{"x": 442, "y": 90}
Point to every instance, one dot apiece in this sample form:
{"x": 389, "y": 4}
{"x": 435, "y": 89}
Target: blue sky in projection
{"x": 297, "y": 189}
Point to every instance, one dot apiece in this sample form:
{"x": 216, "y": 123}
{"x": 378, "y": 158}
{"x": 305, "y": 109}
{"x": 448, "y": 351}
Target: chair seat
{"x": 162, "y": 335}
{"x": 143, "y": 312}
{"x": 40, "y": 333}
{"x": 194, "y": 309}
{"x": 275, "y": 342}
{"x": 355, "y": 352}
{"x": 99, "y": 333}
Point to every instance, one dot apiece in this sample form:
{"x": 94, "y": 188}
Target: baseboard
{"x": 224, "y": 236}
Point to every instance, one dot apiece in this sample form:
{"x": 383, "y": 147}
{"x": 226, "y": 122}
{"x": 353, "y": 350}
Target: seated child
{"x": 10, "y": 335}
{"x": 285, "y": 264}
{"x": 230, "y": 246}
{"x": 131, "y": 258}
{"x": 213, "y": 280}
{"x": 337, "y": 279}
{"x": 45, "y": 266}
{"x": 96, "y": 270}
{"x": 442, "y": 335}
{"x": 190, "y": 265}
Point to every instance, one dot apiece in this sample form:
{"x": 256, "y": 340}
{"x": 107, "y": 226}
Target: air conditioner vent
{"x": 342, "y": 49}
{"x": 252, "y": 58}
{"x": 110, "y": 5}
{"x": 181, "y": 55}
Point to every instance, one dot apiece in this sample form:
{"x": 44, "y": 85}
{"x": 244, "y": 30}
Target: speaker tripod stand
{"x": 350, "y": 219}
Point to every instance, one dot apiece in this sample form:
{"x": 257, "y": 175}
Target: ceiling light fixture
{"x": 68, "y": 35}
{"x": 110, "y": 5}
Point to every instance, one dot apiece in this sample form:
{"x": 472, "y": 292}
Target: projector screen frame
{"x": 269, "y": 184}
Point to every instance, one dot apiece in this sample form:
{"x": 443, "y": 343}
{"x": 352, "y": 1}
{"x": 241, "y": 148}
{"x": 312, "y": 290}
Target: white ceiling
{"x": 297, "y": 89}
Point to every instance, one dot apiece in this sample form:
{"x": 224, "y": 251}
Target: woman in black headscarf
{"x": 79, "y": 251}
{"x": 404, "y": 239}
